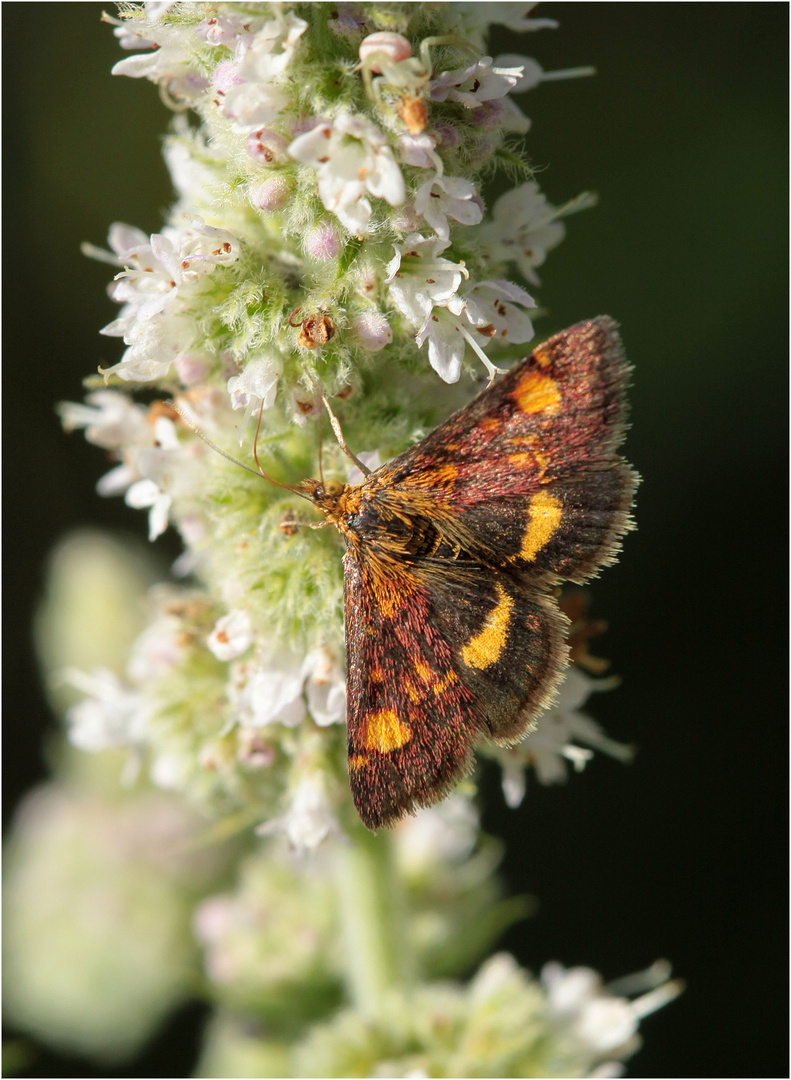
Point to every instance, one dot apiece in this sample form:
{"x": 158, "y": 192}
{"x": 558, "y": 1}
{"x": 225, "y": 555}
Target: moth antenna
{"x": 321, "y": 454}
{"x": 291, "y": 316}
{"x": 259, "y": 472}
{"x": 336, "y": 427}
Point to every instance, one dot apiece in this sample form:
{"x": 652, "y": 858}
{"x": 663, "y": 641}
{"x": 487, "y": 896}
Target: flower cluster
{"x": 330, "y": 235}
{"x": 330, "y": 224}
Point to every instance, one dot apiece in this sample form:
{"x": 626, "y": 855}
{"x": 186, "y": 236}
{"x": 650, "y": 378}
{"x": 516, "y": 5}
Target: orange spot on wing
{"x": 536, "y": 393}
{"x": 437, "y": 476}
{"x": 383, "y": 731}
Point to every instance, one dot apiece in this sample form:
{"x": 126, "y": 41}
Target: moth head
{"x": 325, "y": 493}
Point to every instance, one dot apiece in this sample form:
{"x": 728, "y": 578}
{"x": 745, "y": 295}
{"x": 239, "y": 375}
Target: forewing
{"x": 527, "y": 476}
{"x": 434, "y": 663}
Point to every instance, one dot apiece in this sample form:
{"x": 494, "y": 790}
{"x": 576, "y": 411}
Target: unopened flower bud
{"x": 372, "y": 330}
{"x": 271, "y": 194}
{"x": 191, "y": 368}
{"x": 323, "y": 242}
{"x": 394, "y": 46}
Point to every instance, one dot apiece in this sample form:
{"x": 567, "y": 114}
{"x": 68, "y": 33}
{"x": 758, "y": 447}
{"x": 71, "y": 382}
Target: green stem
{"x": 371, "y": 916}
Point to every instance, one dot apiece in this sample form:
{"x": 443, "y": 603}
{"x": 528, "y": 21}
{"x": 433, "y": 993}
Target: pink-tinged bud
{"x": 271, "y": 194}
{"x": 191, "y": 368}
{"x": 323, "y": 242}
{"x": 489, "y": 114}
{"x": 372, "y": 330}
{"x": 394, "y": 46}
{"x": 447, "y": 137}
{"x": 267, "y": 146}
{"x": 225, "y": 76}
{"x": 406, "y": 219}
{"x": 307, "y": 123}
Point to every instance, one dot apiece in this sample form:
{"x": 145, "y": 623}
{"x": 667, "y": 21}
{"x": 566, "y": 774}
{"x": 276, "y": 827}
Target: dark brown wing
{"x": 527, "y": 476}
{"x": 434, "y": 662}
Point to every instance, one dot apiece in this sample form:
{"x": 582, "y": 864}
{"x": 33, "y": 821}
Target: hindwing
{"x": 435, "y": 662}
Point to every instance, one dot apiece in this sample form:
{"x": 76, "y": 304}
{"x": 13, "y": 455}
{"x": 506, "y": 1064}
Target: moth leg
{"x": 336, "y": 427}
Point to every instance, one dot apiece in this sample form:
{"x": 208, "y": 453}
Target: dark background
{"x": 683, "y": 134}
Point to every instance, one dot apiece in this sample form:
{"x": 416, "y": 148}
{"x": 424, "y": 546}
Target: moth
{"x": 454, "y": 550}
{"x": 454, "y": 553}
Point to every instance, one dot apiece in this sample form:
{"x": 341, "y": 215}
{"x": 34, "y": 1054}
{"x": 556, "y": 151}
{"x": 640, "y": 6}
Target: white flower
{"x": 232, "y": 635}
{"x": 551, "y": 746}
{"x": 150, "y": 491}
{"x": 493, "y": 976}
{"x": 256, "y": 387}
{"x": 419, "y": 278}
{"x": 447, "y": 327}
{"x": 482, "y": 81}
{"x": 222, "y": 30}
{"x": 160, "y": 647}
{"x": 420, "y": 151}
{"x": 491, "y": 308}
{"x": 447, "y": 338}
{"x": 172, "y": 65}
{"x": 156, "y": 271}
{"x": 325, "y": 687}
{"x": 597, "y": 1017}
{"x": 110, "y": 715}
{"x": 524, "y": 227}
{"x": 145, "y": 493}
{"x": 266, "y": 54}
{"x": 270, "y": 690}
{"x": 532, "y": 73}
{"x": 309, "y": 819}
{"x": 456, "y": 199}
{"x": 251, "y": 106}
{"x": 478, "y": 16}
{"x": 446, "y": 832}
{"x": 111, "y": 420}
{"x": 353, "y": 160}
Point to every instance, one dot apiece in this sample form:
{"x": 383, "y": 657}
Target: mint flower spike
{"x": 329, "y": 237}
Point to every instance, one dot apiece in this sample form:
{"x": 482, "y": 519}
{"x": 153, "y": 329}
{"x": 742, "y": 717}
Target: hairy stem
{"x": 371, "y": 913}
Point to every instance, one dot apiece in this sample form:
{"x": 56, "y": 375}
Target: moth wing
{"x": 434, "y": 663}
{"x": 527, "y": 476}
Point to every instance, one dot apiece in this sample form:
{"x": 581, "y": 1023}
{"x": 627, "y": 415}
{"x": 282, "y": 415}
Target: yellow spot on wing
{"x": 536, "y": 393}
{"x": 357, "y": 762}
{"x": 438, "y": 684}
{"x": 423, "y": 670}
{"x": 384, "y": 732}
{"x": 487, "y": 646}
{"x": 546, "y": 513}
{"x": 442, "y": 685}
